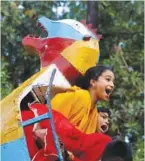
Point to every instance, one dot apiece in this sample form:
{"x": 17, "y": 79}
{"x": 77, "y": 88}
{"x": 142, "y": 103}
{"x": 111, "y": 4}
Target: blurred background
{"x": 121, "y": 24}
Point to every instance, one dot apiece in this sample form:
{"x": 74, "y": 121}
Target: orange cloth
{"x": 75, "y": 105}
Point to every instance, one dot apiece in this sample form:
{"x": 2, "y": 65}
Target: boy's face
{"x": 103, "y": 122}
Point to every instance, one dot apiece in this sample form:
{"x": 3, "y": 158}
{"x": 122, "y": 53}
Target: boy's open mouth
{"x": 104, "y": 128}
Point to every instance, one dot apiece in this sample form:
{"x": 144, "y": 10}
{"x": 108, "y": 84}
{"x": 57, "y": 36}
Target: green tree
{"x": 5, "y": 83}
{"x": 121, "y": 24}
{"x": 126, "y": 104}
{"x": 16, "y": 23}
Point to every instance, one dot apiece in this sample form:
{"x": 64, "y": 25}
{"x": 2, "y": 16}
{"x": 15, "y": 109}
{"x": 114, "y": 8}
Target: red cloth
{"x": 29, "y": 134}
{"x": 85, "y": 147}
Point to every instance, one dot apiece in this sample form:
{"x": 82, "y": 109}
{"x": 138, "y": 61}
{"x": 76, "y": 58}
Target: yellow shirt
{"x": 75, "y": 104}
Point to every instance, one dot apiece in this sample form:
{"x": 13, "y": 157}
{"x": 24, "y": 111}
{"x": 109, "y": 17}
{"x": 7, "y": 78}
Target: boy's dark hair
{"x": 116, "y": 159}
{"x": 105, "y": 110}
{"x": 117, "y": 149}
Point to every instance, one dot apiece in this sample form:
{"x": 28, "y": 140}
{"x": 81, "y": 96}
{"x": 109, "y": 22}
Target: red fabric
{"x": 39, "y": 156}
{"x": 85, "y": 147}
{"x": 32, "y": 148}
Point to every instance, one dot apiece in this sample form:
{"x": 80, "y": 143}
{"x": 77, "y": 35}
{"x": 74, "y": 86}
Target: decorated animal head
{"x": 70, "y": 45}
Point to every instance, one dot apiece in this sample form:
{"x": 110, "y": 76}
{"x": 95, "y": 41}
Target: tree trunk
{"x": 93, "y": 13}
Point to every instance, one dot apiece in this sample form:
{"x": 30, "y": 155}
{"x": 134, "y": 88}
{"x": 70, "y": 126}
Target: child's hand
{"x": 71, "y": 156}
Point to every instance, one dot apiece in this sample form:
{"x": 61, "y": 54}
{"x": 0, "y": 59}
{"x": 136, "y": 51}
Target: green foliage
{"x": 79, "y": 9}
{"x": 127, "y": 97}
{"x": 121, "y": 23}
{"x": 5, "y": 83}
{"x": 17, "y": 23}
{"x": 139, "y": 154}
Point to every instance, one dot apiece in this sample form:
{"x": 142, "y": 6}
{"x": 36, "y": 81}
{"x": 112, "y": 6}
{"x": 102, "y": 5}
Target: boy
{"x": 103, "y": 119}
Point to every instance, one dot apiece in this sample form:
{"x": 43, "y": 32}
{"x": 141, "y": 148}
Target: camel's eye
{"x": 86, "y": 37}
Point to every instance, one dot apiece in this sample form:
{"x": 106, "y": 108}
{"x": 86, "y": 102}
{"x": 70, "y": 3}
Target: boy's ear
{"x": 92, "y": 82}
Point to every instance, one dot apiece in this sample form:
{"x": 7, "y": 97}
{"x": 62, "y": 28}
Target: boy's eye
{"x": 108, "y": 79}
{"x": 104, "y": 117}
